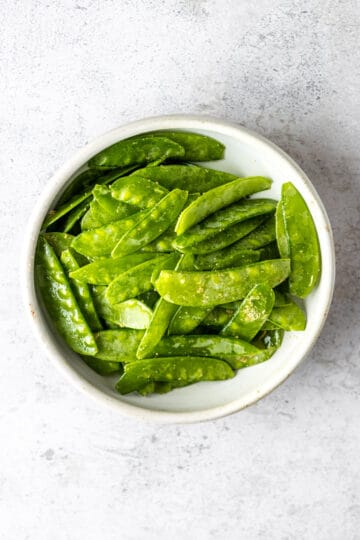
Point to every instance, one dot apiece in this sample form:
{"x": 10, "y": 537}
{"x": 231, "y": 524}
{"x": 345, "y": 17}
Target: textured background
{"x": 288, "y": 467}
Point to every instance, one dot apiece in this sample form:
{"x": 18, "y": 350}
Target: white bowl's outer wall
{"x": 246, "y": 154}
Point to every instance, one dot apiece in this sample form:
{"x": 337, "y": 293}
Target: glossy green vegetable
{"x": 218, "y": 317}
{"x": 191, "y": 178}
{"x": 251, "y": 313}
{"x": 270, "y": 340}
{"x": 197, "y": 147}
{"x": 81, "y": 291}
{"x": 187, "y": 369}
{"x": 103, "y": 368}
{"x": 161, "y": 244}
{"x": 137, "y": 191}
{"x": 104, "y": 271}
{"x": 60, "y": 301}
{"x": 187, "y": 318}
{"x": 303, "y": 242}
{"x": 112, "y": 208}
{"x": 262, "y": 236}
{"x": 207, "y": 288}
{"x": 281, "y": 233}
{"x": 74, "y": 217}
{"x": 137, "y": 151}
{"x": 129, "y": 314}
{"x": 217, "y": 198}
{"x": 226, "y": 258}
{"x": 59, "y": 241}
{"x": 156, "y": 221}
{"x": 117, "y": 345}
{"x": 290, "y": 317}
{"x": 134, "y": 281}
{"x": 222, "y": 219}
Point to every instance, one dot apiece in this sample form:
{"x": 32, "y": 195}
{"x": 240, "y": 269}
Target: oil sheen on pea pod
{"x": 303, "y": 242}
{"x": 74, "y": 217}
{"x": 226, "y": 259}
{"x": 137, "y": 151}
{"x": 138, "y": 191}
{"x": 290, "y": 317}
{"x": 117, "y": 345}
{"x": 156, "y": 221}
{"x": 178, "y": 368}
{"x": 235, "y": 352}
{"x": 251, "y": 313}
{"x": 191, "y": 178}
{"x": 112, "y": 208}
{"x": 60, "y": 301}
{"x": 132, "y": 313}
{"x": 259, "y": 237}
{"x": 218, "y": 318}
{"x": 282, "y": 238}
{"x": 197, "y": 147}
{"x": 187, "y": 318}
{"x": 59, "y": 241}
{"x": 219, "y": 287}
{"x": 217, "y": 198}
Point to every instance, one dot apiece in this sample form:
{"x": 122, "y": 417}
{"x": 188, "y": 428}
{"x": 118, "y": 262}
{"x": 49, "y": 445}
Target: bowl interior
{"x": 246, "y": 155}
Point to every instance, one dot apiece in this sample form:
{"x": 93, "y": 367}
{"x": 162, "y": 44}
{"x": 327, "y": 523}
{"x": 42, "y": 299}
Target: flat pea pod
{"x": 281, "y": 299}
{"x": 101, "y": 241}
{"x": 162, "y": 316}
{"x": 226, "y": 258}
{"x": 235, "y": 352}
{"x": 130, "y": 314}
{"x": 160, "y": 387}
{"x": 258, "y": 238}
{"x": 219, "y": 287}
{"x": 102, "y": 368}
{"x": 225, "y": 238}
{"x": 59, "y": 241}
{"x": 269, "y": 339}
{"x": 197, "y": 147}
{"x": 217, "y": 198}
{"x": 74, "y": 217}
{"x": 281, "y": 233}
{"x": 117, "y": 345}
{"x": 178, "y": 368}
{"x": 187, "y": 318}
{"x": 156, "y": 221}
{"x": 96, "y": 217}
{"x": 218, "y": 318}
{"x": 191, "y": 178}
{"x": 290, "y": 317}
{"x": 224, "y": 218}
{"x": 104, "y": 271}
{"x": 251, "y": 313}
{"x": 81, "y": 291}
{"x": 60, "y": 301}
{"x": 137, "y": 151}
{"x": 138, "y": 191}
{"x": 161, "y": 244}
{"x": 134, "y": 281}
{"x": 303, "y": 241}
{"x": 113, "y": 208}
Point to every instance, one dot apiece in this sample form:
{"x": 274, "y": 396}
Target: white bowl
{"x": 247, "y": 154}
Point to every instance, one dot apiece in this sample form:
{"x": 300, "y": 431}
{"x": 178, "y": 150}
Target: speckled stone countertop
{"x": 286, "y": 468}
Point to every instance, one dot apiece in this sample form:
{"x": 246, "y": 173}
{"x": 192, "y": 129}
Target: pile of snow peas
{"x": 165, "y": 273}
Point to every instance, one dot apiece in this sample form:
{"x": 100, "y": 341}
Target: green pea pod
{"x": 81, "y": 291}
{"x": 270, "y": 251}
{"x": 226, "y": 258}
{"x": 235, "y": 352}
{"x": 137, "y": 191}
{"x": 270, "y": 340}
{"x": 225, "y": 238}
{"x": 281, "y": 233}
{"x": 197, "y": 147}
{"x": 156, "y": 221}
{"x": 75, "y": 217}
{"x": 169, "y": 264}
{"x": 137, "y": 151}
{"x": 188, "y": 369}
{"x": 281, "y": 299}
{"x": 104, "y": 271}
{"x": 190, "y": 178}
{"x": 102, "y": 368}
{"x": 218, "y": 318}
{"x": 58, "y": 241}
{"x": 290, "y": 317}
{"x": 60, "y": 301}
{"x": 187, "y": 318}
{"x": 117, "y": 345}
{"x": 161, "y": 387}
{"x": 213, "y": 288}
{"x": 222, "y": 219}
{"x": 162, "y": 244}
{"x": 217, "y": 198}
{"x": 251, "y": 313}
{"x": 134, "y": 281}
{"x": 303, "y": 242}
{"x": 101, "y": 241}
{"x": 130, "y": 314}
{"x": 262, "y": 236}
{"x": 112, "y": 208}
{"x": 162, "y": 315}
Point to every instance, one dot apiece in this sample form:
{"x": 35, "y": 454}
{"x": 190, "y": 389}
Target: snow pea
{"x": 225, "y": 238}
{"x": 190, "y": 178}
{"x": 151, "y": 225}
{"x": 281, "y": 299}
{"x": 218, "y": 317}
{"x": 101, "y": 241}
{"x": 187, "y": 318}
{"x": 222, "y": 219}
{"x": 162, "y": 315}
{"x": 161, "y": 387}
{"x": 169, "y": 264}
{"x": 290, "y": 317}
{"x": 269, "y": 339}
{"x": 220, "y": 287}
{"x": 137, "y": 151}
{"x": 74, "y": 217}
{"x": 177, "y": 368}
{"x": 251, "y": 313}
{"x": 134, "y": 281}
{"x": 113, "y": 208}
{"x": 226, "y": 258}
{"x": 197, "y": 147}
{"x": 58, "y": 241}
{"x": 104, "y": 271}
{"x": 81, "y": 291}
{"x": 162, "y": 243}
{"x": 60, "y": 301}
{"x": 117, "y": 345}
{"x": 138, "y": 191}
{"x": 281, "y": 233}
{"x": 261, "y": 236}
{"x": 303, "y": 242}
{"x": 217, "y": 198}
{"x": 102, "y": 368}
{"x": 235, "y": 352}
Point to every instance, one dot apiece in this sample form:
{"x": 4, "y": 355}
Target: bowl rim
{"x": 48, "y": 195}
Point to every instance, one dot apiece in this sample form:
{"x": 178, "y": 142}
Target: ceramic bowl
{"x": 247, "y": 154}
